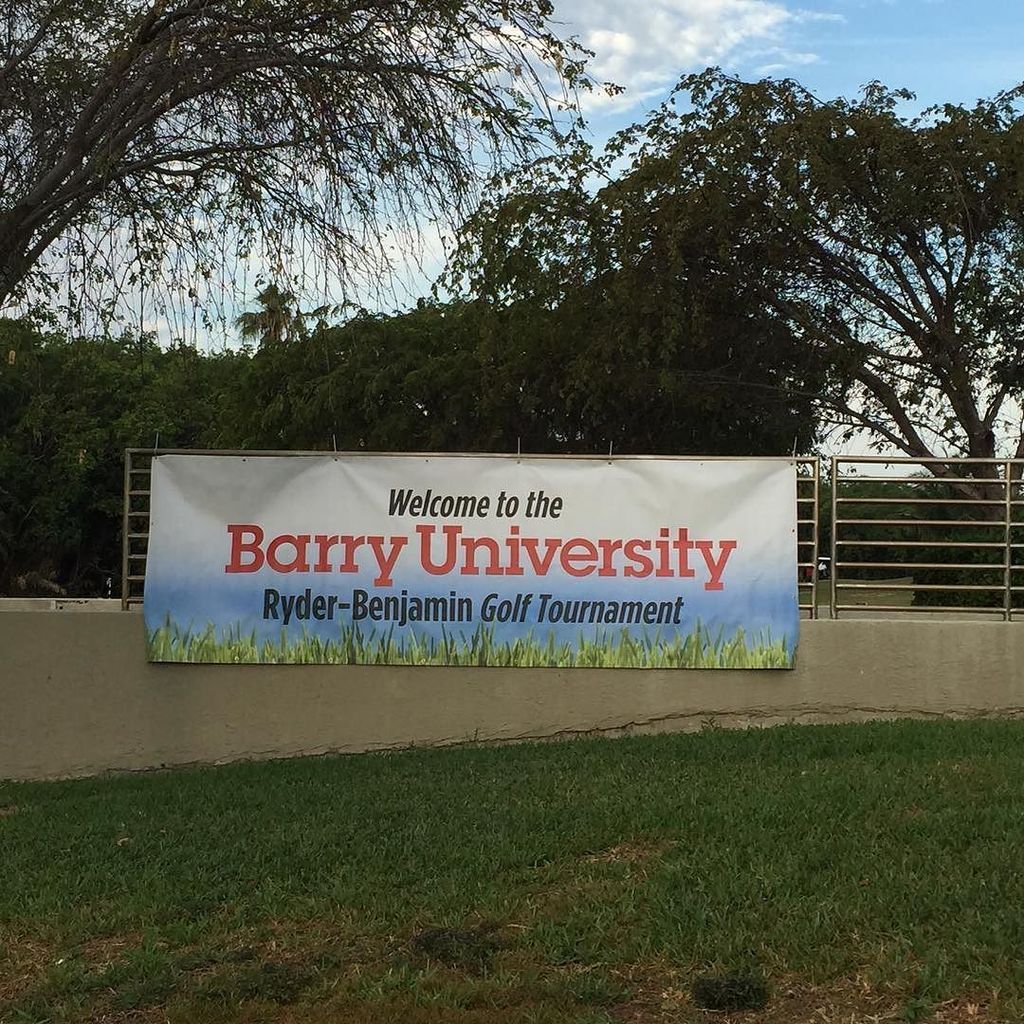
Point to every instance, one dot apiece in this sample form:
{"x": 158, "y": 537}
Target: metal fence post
{"x": 1008, "y": 538}
{"x": 833, "y": 610}
{"x": 817, "y": 540}
{"x": 124, "y": 530}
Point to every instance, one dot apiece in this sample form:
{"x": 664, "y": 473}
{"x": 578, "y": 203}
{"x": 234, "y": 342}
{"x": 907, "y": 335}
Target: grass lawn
{"x": 866, "y": 872}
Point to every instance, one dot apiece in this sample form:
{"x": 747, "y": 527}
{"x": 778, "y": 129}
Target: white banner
{"x": 473, "y": 560}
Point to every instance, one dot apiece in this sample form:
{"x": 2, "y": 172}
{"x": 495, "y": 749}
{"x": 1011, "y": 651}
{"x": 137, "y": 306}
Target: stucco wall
{"x": 77, "y": 696}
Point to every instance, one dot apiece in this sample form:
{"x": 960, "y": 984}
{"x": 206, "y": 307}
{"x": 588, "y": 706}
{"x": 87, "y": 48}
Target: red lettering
{"x": 350, "y": 545}
{"x": 514, "y": 568}
{"x": 684, "y": 546}
{"x": 240, "y": 547}
{"x": 642, "y": 564}
{"x": 324, "y": 543}
{"x": 541, "y": 564}
{"x": 608, "y": 548}
{"x": 386, "y": 561}
{"x": 716, "y": 566}
{"x": 661, "y": 545}
{"x": 471, "y": 545}
{"x": 298, "y": 544}
{"x": 451, "y": 536}
{"x": 579, "y": 550}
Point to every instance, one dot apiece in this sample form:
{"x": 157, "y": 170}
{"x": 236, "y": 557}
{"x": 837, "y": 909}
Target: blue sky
{"x": 941, "y": 49}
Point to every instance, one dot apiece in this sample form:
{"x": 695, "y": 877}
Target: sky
{"x": 942, "y": 50}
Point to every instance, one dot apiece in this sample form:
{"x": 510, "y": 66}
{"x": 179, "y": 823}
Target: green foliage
{"x": 459, "y": 377}
{"x": 476, "y": 377}
{"x": 68, "y": 409}
{"x": 659, "y": 352}
{"x": 775, "y": 241}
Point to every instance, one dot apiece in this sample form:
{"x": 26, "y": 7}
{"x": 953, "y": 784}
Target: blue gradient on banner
{"x": 762, "y": 604}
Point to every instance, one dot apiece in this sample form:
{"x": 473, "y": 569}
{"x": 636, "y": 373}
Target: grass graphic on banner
{"x": 700, "y": 649}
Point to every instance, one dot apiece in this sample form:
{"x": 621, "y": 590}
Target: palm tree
{"x": 277, "y": 320}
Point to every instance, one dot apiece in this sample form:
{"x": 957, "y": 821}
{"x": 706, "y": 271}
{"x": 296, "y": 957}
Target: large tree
{"x": 893, "y": 245}
{"x": 888, "y": 248}
{"x": 145, "y": 135}
{"x": 658, "y": 351}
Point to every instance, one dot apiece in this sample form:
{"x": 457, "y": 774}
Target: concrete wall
{"x": 77, "y": 696}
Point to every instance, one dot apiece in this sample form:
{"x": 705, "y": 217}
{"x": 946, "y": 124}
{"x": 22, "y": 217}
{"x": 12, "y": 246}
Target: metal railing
{"x": 905, "y": 535}
{"x": 138, "y": 464}
{"x": 927, "y": 536}
{"x": 808, "y": 501}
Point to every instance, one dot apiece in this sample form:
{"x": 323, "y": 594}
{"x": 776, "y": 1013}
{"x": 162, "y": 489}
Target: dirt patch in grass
{"x": 467, "y": 949}
{"x": 23, "y": 961}
{"x": 154, "y": 1015}
{"x": 962, "y": 1011}
{"x": 292, "y": 973}
{"x": 102, "y": 953}
{"x": 663, "y": 996}
{"x": 631, "y": 853}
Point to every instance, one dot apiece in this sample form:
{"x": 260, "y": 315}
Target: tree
{"x": 430, "y": 379}
{"x": 891, "y": 246}
{"x": 68, "y": 409}
{"x": 474, "y": 377}
{"x": 658, "y": 352}
{"x": 279, "y": 318}
{"x": 145, "y": 134}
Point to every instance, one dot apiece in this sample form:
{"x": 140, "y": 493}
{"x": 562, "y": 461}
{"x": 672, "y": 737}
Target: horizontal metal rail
{"x": 922, "y": 544}
{"x": 927, "y": 609}
{"x": 913, "y": 500}
{"x": 983, "y": 566}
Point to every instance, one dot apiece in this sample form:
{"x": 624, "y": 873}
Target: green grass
{"x": 877, "y": 864}
{"x": 607, "y": 649}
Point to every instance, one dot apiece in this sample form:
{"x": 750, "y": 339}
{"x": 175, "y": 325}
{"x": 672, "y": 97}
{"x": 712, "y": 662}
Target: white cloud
{"x": 783, "y": 62}
{"x": 645, "y": 47}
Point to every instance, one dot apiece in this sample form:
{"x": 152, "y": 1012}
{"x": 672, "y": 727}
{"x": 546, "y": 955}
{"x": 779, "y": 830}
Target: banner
{"x": 473, "y": 560}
